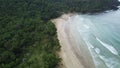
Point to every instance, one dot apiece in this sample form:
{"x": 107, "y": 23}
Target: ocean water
{"x": 101, "y": 34}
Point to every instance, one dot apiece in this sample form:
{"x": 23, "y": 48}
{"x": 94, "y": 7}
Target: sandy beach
{"x": 73, "y": 55}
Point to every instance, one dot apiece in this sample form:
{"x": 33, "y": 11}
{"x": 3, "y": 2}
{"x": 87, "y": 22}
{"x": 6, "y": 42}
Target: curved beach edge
{"x": 69, "y": 53}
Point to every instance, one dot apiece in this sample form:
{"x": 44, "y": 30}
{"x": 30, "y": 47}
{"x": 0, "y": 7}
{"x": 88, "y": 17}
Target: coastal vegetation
{"x": 28, "y": 38}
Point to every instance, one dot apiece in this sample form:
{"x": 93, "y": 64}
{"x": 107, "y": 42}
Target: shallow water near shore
{"x": 101, "y": 33}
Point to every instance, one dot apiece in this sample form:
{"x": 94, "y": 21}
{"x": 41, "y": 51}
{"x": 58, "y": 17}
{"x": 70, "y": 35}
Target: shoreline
{"x": 64, "y": 53}
{"x": 70, "y": 54}
{"x": 57, "y": 21}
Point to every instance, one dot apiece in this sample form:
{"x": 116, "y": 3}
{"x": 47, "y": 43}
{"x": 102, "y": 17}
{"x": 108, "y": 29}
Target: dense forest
{"x": 28, "y": 38}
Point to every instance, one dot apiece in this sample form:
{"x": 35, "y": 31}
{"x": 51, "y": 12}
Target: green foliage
{"x": 27, "y": 37}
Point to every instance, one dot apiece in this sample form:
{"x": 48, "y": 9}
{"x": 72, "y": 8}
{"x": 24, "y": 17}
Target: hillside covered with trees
{"x": 28, "y": 38}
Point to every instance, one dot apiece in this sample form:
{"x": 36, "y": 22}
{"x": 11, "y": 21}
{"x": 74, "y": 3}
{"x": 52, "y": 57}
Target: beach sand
{"x": 73, "y": 55}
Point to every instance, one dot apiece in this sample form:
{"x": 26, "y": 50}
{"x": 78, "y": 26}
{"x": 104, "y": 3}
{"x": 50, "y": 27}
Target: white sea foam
{"x": 109, "y": 47}
{"x": 91, "y": 46}
{"x": 97, "y": 50}
{"x": 110, "y": 62}
{"x": 86, "y": 26}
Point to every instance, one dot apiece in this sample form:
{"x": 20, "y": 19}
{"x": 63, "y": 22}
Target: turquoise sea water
{"x": 101, "y": 33}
